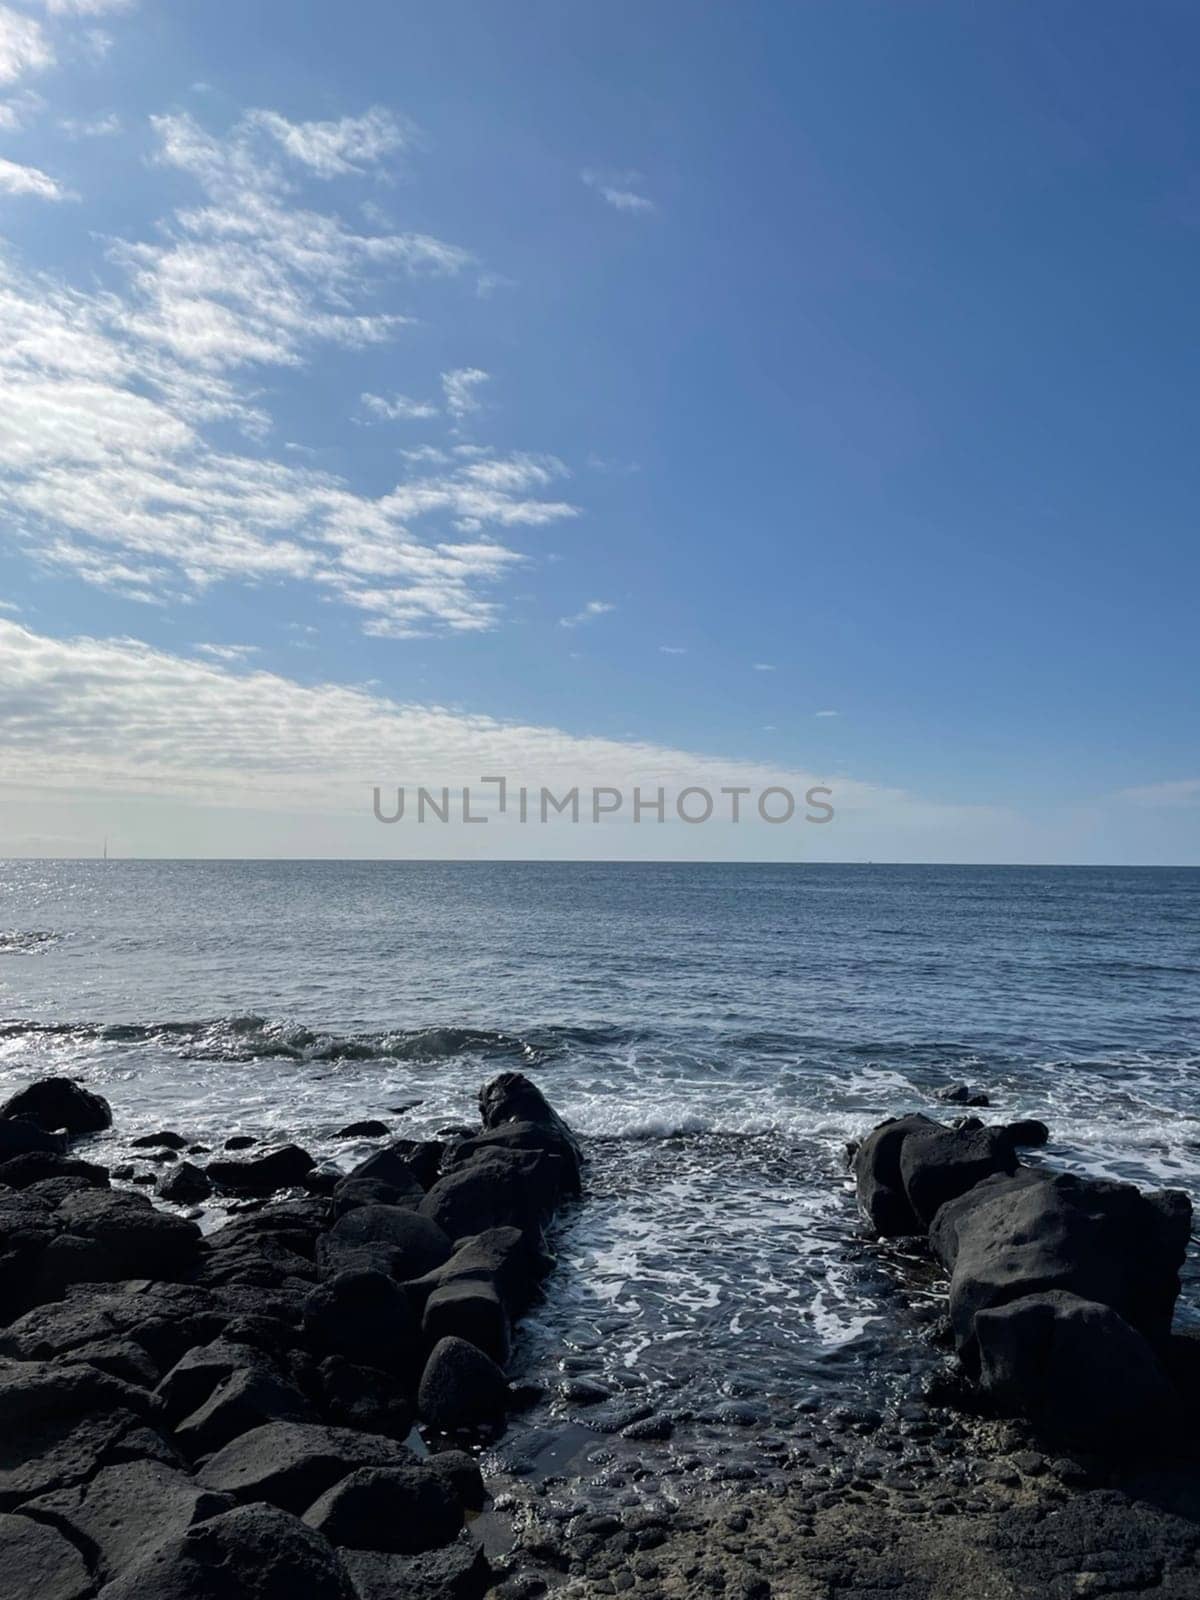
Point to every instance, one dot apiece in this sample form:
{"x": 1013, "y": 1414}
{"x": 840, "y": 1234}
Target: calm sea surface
{"x": 716, "y": 1032}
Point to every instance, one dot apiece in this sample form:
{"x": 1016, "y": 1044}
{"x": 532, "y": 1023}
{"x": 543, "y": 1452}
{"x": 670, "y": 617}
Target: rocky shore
{"x": 294, "y": 1403}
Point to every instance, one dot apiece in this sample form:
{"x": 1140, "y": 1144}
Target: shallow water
{"x": 716, "y": 1033}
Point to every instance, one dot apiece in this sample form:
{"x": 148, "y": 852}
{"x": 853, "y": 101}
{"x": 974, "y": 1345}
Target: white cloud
{"x": 619, "y": 190}
{"x": 763, "y": 666}
{"x": 826, "y": 713}
{"x": 86, "y": 8}
{"x": 332, "y": 149}
{"x": 15, "y": 179}
{"x": 228, "y": 652}
{"x": 102, "y": 127}
{"x": 672, "y": 649}
{"x": 23, "y": 46}
{"x": 398, "y": 408}
{"x": 1179, "y": 792}
{"x": 17, "y": 111}
{"x": 105, "y": 399}
{"x": 459, "y": 388}
{"x": 589, "y": 613}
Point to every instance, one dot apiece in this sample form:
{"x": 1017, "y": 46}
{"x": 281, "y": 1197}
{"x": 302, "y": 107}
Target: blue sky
{"x": 800, "y": 390}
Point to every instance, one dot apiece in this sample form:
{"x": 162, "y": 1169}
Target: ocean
{"x": 716, "y": 1034}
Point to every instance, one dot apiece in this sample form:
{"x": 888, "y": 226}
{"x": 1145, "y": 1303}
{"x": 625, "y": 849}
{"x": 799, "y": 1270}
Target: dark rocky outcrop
{"x": 401, "y": 1509}
{"x": 460, "y": 1388}
{"x": 187, "y": 1185}
{"x": 364, "y": 1317}
{"x": 289, "y": 1464}
{"x": 20, "y": 1136}
{"x": 54, "y": 1103}
{"x": 284, "y": 1168}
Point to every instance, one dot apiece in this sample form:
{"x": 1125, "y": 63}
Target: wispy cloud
{"x": 332, "y": 149}
{"x": 672, "y": 649}
{"x": 1177, "y": 792}
{"x": 621, "y": 190}
{"x": 107, "y": 398}
{"x": 102, "y": 127}
{"x": 589, "y": 613}
{"x": 228, "y": 652}
{"x": 763, "y": 666}
{"x": 397, "y": 408}
{"x": 460, "y": 388}
{"x": 826, "y": 713}
{"x": 15, "y": 179}
{"x": 24, "y": 46}
{"x": 86, "y": 8}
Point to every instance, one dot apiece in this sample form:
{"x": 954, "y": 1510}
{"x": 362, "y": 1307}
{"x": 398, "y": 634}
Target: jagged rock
{"x": 53, "y": 1103}
{"x": 110, "y": 1235}
{"x": 364, "y": 1317}
{"x": 877, "y": 1175}
{"x": 365, "y": 1397}
{"x": 962, "y": 1094}
{"x": 163, "y": 1140}
{"x": 251, "y": 1553}
{"x": 391, "y": 1166}
{"x": 164, "y": 1319}
{"x": 938, "y": 1164}
{"x": 290, "y": 1464}
{"x": 402, "y": 1509}
{"x": 32, "y": 1391}
{"x": 38, "y": 1166}
{"x": 458, "y": 1571}
{"x": 510, "y": 1261}
{"x": 120, "y": 1358}
{"x": 415, "y": 1244}
{"x": 369, "y": 1128}
{"x": 462, "y": 1472}
{"x": 497, "y": 1188}
{"x": 470, "y": 1309}
{"x": 186, "y": 1186}
{"x": 460, "y": 1387}
{"x": 201, "y": 1370}
{"x": 128, "y": 1511}
{"x": 261, "y": 1175}
{"x": 558, "y": 1175}
{"x": 19, "y": 1136}
{"x": 48, "y": 1453}
{"x": 511, "y": 1097}
{"x": 246, "y": 1399}
{"x": 322, "y": 1179}
{"x": 37, "y": 1563}
{"x": 1037, "y": 1231}
{"x": 1076, "y": 1369}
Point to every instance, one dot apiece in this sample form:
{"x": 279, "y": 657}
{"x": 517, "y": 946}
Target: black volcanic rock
{"x": 53, "y": 1103}
{"x": 364, "y": 1317}
{"x": 163, "y": 1140}
{"x": 938, "y": 1164}
{"x": 186, "y": 1185}
{"x": 460, "y": 1387}
{"x": 402, "y": 1509}
{"x": 369, "y": 1128}
{"x": 21, "y": 1136}
{"x": 39, "y": 1166}
{"x": 284, "y": 1168}
{"x": 419, "y": 1243}
{"x": 877, "y": 1175}
{"x": 290, "y": 1464}
{"x": 37, "y": 1561}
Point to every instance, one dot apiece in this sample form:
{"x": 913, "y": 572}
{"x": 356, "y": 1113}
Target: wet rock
{"x": 127, "y": 1511}
{"x": 512, "y": 1098}
{"x": 290, "y": 1464}
{"x": 350, "y": 1193}
{"x": 364, "y": 1397}
{"x": 462, "y": 1473}
{"x": 469, "y": 1309}
{"x": 460, "y": 1387}
{"x": 41, "y": 1167}
{"x": 507, "y": 1259}
{"x": 458, "y": 1571}
{"x": 53, "y": 1103}
{"x": 655, "y": 1426}
{"x": 1076, "y": 1369}
{"x": 246, "y": 1399}
{"x": 364, "y": 1317}
{"x": 283, "y": 1168}
{"x": 585, "y": 1392}
{"x": 240, "y": 1141}
{"x": 186, "y": 1186}
{"x": 939, "y": 1164}
{"x": 878, "y": 1182}
{"x": 497, "y": 1188}
{"x": 322, "y": 1179}
{"x": 251, "y": 1553}
{"x": 19, "y": 1136}
{"x": 367, "y": 1129}
{"x": 165, "y": 1139}
{"x": 1028, "y": 1132}
{"x": 962, "y": 1094}
{"x": 401, "y": 1509}
{"x": 1037, "y": 1231}
{"x": 415, "y": 1244}
{"x": 36, "y": 1561}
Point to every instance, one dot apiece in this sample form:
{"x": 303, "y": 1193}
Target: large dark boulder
{"x": 877, "y": 1178}
{"x": 469, "y": 1309}
{"x": 457, "y": 1571}
{"x": 38, "y": 1563}
{"x": 393, "y": 1166}
{"x": 1076, "y": 1370}
{"x": 512, "y": 1097}
{"x": 20, "y": 1136}
{"x": 366, "y": 1318}
{"x": 202, "y": 1370}
{"x": 414, "y": 1244}
{"x": 365, "y": 1397}
{"x": 505, "y": 1259}
{"x": 39, "y": 1166}
{"x": 128, "y": 1511}
{"x": 54, "y": 1103}
{"x": 1029, "y": 1233}
{"x": 251, "y": 1553}
{"x": 186, "y": 1185}
{"x": 496, "y": 1188}
{"x": 246, "y": 1399}
{"x": 290, "y": 1464}
{"x": 110, "y": 1235}
{"x": 284, "y": 1168}
{"x": 460, "y": 1388}
{"x": 938, "y": 1164}
{"x": 402, "y": 1509}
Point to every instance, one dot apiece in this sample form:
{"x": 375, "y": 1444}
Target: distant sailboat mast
{"x": 106, "y": 847}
